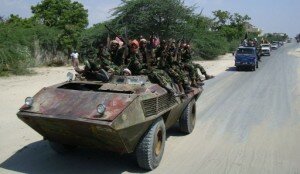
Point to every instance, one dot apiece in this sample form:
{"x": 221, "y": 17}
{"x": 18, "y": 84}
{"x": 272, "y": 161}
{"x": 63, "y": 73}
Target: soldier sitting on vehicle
{"x": 136, "y": 66}
{"x": 126, "y": 72}
{"x": 92, "y": 71}
{"x": 186, "y": 59}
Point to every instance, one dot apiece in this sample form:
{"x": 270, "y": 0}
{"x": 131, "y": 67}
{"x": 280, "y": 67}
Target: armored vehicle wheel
{"x": 187, "y": 120}
{"x": 150, "y": 149}
{"x": 61, "y": 148}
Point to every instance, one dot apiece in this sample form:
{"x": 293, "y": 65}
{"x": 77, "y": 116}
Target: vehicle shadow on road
{"x": 38, "y": 158}
{"x": 174, "y": 131}
{"x": 233, "y": 68}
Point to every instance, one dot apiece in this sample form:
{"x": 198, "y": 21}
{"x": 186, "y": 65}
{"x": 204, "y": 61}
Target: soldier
{"x": 186, "y": 58}
{"x": 143, "y": 50}
{"x": 159, "y": 75}
{"x": 116, "y": 53}
{"x": 171, "y": 66}
{"x": 126, "y": 72}
{"x": 117, "y": 57}
{"x": 75, "y": 60}
{"x": 103, "y": 60}
{"x": 136, "y": 66}
{"x": 160, "y": 54}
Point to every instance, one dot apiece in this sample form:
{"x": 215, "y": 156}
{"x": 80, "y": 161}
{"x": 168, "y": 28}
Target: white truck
{"x": 265, "y": 49}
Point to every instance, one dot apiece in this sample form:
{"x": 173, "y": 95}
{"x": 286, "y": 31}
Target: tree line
{"x": 59, "y": 26}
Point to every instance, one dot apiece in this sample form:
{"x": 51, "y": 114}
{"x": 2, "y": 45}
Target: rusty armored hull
{"x": 68, "y": 113}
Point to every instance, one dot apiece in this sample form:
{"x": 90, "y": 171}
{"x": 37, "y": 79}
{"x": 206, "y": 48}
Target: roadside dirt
{"x": 295, "y": 52}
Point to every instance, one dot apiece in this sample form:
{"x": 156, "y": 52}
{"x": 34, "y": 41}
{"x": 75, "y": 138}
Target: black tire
{"x": 150, "y": 149}
{"x": 256, "y": 64}
{"x": 238, "y": 68}
{"x": 187, "y": 120}
{"x": 61, "y": 148}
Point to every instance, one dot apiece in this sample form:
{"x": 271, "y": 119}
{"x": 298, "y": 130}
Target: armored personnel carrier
{"x": 127, "y": 114}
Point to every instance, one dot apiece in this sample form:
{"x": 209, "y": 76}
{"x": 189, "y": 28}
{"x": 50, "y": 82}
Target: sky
{"x": 281, "y": 16}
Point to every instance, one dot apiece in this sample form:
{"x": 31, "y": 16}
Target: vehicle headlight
{"x": 70, "y": 76}
{"x": 101, "y": 109}
{"x": 29, "y": 101}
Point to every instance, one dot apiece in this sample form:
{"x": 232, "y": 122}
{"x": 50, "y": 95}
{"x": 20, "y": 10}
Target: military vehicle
{"x": 127, "y": 114}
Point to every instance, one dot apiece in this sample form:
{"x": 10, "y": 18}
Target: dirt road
{"x": 247, "y": 122}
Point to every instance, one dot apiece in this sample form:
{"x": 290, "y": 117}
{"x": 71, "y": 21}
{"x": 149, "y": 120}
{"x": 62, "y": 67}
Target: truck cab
{"x": 246, "y": 57}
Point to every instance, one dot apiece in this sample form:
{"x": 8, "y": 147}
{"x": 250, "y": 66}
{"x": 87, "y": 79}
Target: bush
{"x": 17, "y": 46}
{"x": 209, "y": 45}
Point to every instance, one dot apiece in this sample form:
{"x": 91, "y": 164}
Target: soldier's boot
{"x": 199, "y": 82}
{"x": 207, "y": 77}
{"x": 194, "y": 84}
{"x": 169, "y": 88}
{"x": 187, "y": 88}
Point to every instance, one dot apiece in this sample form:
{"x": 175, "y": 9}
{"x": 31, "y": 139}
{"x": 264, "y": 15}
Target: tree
{"x": 230, "y": 26}
{"x": 166, "y": 18}
{"x": 68, "y": 16}
{"x": 221, "y": 18}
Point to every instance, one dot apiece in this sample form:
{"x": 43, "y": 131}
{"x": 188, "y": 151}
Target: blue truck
{"x": 246, "y": 57}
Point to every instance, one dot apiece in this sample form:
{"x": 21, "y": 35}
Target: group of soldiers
{"x": 165, "y": 63}
{"x": 254, "y": 43}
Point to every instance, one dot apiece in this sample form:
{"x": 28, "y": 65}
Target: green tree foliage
{"x": 221, "y": 18}
{"x": 166, "y": 18}
{"x": 230, "y": 26}
{"x": 91, "y": 39}
{"x": 275, "y": 36}
{"x": 70, "y": 17}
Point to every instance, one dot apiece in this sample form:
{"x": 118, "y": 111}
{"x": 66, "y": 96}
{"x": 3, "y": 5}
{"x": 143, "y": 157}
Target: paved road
{"x": 248, "y": 122}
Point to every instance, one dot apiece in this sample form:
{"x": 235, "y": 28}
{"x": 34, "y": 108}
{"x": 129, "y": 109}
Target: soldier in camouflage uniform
{"x": 136, "y": 66}
{"x": 158, "y": 74}
{"x": 143, "y": 50}
{"x": 186, "y": 59}
{"x": 167, "y": 62}
{"x": 117, "y": 57}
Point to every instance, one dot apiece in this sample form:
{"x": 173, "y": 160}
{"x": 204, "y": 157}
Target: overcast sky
{"x": 268, "y": 15}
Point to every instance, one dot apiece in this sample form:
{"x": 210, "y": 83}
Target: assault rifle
{"x": 116, "y": 35}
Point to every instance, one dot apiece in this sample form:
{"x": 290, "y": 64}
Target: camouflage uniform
{"x": 186, "y": 59}
{"x": 135, "y": 65}
{"x": 173, "y": 67}
{"x": 117, "y": 58}
{"x": 159, "y": 75}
